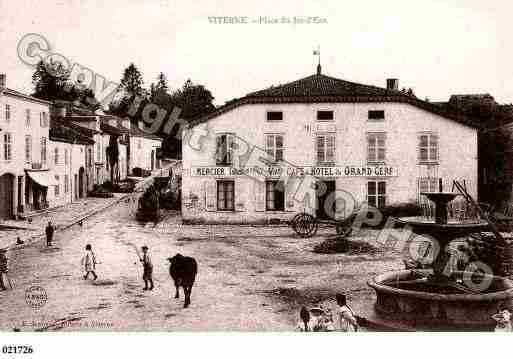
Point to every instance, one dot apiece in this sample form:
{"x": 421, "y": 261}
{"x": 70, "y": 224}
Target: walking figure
{"x": 346, "y": 318}
{"x": 147, "y": 269}
{"x": 89, "y": 262}
{"x": 50, "y": 229}
{"x": 3, "y": 269}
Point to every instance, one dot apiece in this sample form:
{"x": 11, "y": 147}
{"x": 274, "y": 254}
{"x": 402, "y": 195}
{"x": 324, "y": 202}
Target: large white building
{"x": 24, "y": 147}
{"x": 286, "y": 149}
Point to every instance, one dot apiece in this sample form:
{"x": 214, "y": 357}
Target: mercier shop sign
{"x": 279, "y": 171}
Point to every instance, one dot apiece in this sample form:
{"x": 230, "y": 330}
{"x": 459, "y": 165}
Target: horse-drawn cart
{"x": 306, "y": 225}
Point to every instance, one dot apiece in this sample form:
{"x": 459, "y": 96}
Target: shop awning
{"x": 43, "y": 178}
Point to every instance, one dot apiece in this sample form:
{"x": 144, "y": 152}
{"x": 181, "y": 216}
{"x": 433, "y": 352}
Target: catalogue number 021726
{"x": 17, "y": 349}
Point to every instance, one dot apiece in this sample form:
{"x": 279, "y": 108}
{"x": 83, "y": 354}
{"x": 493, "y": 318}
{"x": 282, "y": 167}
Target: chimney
{"x": 393, "y": 84}
{"x": 3, "y": 79}
{"x": 318, "y": 69}
{"x": 140, "y": 124}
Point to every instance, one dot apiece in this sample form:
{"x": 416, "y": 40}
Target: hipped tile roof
{"x": 320, "y": 88}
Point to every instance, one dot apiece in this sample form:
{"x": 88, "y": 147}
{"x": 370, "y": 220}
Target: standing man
{"x": 147, "y": 269}
{"x": 3, "y": 268}
{"x": 49, "y": 234}
{"x": 89, "y": 262}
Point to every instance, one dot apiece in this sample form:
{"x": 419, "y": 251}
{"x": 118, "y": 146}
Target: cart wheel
{"x": 344, "y": 229}
{"x": 305, "y": 225}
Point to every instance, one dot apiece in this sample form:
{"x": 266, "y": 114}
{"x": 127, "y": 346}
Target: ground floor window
{"x": 376, "y": 193}
{"x": 225, "y": 195}
{"x": 428, "y": 184}
{"x": 66, "y": 183}
{"x": 274, "y": 196}
{"x": 57, "y": 186}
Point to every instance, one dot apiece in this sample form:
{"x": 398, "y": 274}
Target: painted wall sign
{"x": 278, "y": 171}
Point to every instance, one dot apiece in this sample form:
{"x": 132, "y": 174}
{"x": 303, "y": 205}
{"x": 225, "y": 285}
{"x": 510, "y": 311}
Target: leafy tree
{"x": 132, "y": 81}
{"x": 195, "y": 101}
{"x": 160, "y": 89}
{"x": 51, "y": 82}
{"x": 130, "y": 88}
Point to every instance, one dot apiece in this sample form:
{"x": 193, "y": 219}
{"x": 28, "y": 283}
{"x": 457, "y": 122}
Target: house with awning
{"x": 25, "y": 174}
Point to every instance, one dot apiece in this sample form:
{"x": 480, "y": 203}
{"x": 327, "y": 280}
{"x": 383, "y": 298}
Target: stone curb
{"x": 74, "y": 221}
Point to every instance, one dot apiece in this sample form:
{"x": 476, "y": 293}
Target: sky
{"x": 436, "y": 47}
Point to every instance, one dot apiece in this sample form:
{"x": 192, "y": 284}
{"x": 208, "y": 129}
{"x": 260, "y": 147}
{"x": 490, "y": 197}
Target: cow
{"x": 183, "y": 271}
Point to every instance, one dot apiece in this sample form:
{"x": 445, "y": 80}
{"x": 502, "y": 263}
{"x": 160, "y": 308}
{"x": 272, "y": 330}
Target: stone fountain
{"x": 439, "y": 298}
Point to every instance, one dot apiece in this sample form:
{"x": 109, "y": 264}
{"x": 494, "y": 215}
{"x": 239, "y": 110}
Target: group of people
{"x": 319, "y": 319}
{"x": 89, "y": 263}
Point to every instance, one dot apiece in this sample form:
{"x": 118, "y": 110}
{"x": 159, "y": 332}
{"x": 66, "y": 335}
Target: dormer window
{"x": 324, "y": 115}
{"x": 376, "y": 115}
{"x": 274, "y": 116}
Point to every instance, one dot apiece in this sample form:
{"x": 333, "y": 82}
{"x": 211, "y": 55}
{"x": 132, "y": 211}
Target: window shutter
{"x": 219, "y": 149}
{"x": 330, "y": 151}
{"x": 320, "y": 149}
{"x": 259, "y": 195}
{"x": 210, "y": 195}
{"x": 434, "y": 147}
{"x": 240, "y": 195}
{"x": 230, "y": 145}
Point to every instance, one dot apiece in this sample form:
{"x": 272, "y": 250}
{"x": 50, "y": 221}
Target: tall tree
{"x": 51, "y": 82}
{"x": 132, "y": 81}
{"x": 195, "y": 101}
{"x": 131, "y": 87}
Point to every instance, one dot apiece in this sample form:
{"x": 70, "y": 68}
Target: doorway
{"x": 81, "y": 175}
{"x": 322, "y": 195}
{"x": 6, "y": 196}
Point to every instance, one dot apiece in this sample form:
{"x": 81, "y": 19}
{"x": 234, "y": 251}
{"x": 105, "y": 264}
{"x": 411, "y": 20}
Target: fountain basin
{"x": 450, "y": 230}
{"x": 421, "y": 308}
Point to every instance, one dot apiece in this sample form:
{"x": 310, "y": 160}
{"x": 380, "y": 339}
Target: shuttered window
{"x": 225, "y": 195}
{"x": 325, "y": 148}
{"x": 274, "y": 196}
{"x": 224, "y": 149}
{"x": 7, "y": 113}
{"x": 376, "y": 150}
{"x": 428, "y": 184}
{"x": 27, "y": 117}
{"x": 274, "y": 146}
{"x": 56, "y": 150}
{"x": 428, "y": 147}
{"x": 43, "y": 150}
{"x": 43, "y": 119}
{"x": 57, "y": 186}
{"x": 28, "y": 148}
{"x": 376, "y": 193}
{"x": 7, "y": 146}
{"x": 66, "y": 183}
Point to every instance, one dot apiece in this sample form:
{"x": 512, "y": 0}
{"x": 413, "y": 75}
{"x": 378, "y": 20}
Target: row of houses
{"x": 318, "y": 143}
{"x": 53, "y": 153}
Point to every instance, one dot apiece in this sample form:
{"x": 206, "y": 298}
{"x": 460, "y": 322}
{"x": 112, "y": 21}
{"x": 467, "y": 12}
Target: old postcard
{"x": 312, "y": 166}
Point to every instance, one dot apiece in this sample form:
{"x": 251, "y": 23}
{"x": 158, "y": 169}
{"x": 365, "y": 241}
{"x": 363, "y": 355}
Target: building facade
{"x": 321, "y": 145}
{"x": 143, "y": 149}
{"x": 24, "y": 142}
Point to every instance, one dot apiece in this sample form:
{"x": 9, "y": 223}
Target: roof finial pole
{"x": 318, "y": 54}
